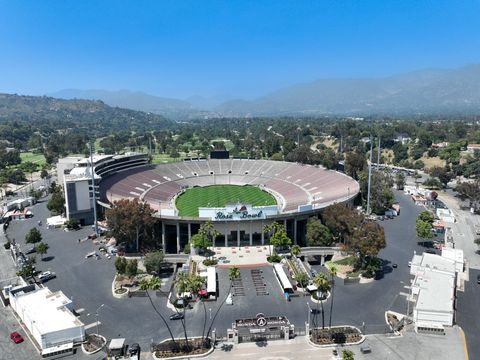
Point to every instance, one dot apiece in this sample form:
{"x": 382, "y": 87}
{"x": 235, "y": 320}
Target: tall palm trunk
{"x": 218, "y": 310}
{"x": 161, "y": 316}
{"x": 331, "y": 303}
{"x": 323, "y": 316}
{"x": 204, "y": 320}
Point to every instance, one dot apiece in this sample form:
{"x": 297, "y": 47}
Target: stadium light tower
{"x": 93, "y": 190}
{"x": 369, "y": 175}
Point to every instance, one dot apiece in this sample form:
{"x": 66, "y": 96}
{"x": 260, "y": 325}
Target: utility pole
{"x": 92, "y": 173}
{"x": 378, "y": 155}
{"x": 369, "y": 175}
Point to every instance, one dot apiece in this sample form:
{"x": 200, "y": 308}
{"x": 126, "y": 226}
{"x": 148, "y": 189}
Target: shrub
{"x": 72, "y": 224}
{"x": 7, "y": 245}
{"x": 131, "y": 268}
{"x": 33, "y": 236}
{"x": 121, "y": 265}
{"x": 274, "y": 258}
{"x": 210, "y": 262}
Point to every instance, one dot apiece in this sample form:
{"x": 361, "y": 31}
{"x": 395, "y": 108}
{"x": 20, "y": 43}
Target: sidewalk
{"x": 297, "y": 348}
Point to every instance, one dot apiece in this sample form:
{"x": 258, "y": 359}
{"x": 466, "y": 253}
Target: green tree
{"x": 424, "y": 229}
{"x": 355, "y": 163}
{"x": 201, "y": 241}
{"x": 302, "y": 279}
{"x": 72, "y": 224}
{"x": 295, "y": 250}
{"x": 348, "y": 355}
{"x": 426, "y": 216}
{"x": 400, "y": 180}
{"x": 381, "y": 194}
{"x": 153, "y": 261}
{"x": 56, "y": 204}
{"x": 28, "y": 268}
{"x": 130, "y": 221}
{"x": 342, "y": 220}
{"x": 366, "y": 242}
{"x": 42, "y": 249}
{"x": 278, "y": 237}
{"x": 469, "y": 190}
{"x": 131, "y": 268}
{"x": 120, "y": 264}
{"x": 33, "y": 236}
{"x": 318, "y": 234}
{"x": 205, "y": 237}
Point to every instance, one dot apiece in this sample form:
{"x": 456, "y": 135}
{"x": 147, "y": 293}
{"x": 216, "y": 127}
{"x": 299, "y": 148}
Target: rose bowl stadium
{"x": 239, "y": 196}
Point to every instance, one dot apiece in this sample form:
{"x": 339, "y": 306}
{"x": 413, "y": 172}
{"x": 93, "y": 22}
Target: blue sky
{"x": 235, "y": 48}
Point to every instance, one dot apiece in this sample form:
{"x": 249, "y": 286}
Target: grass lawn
{"x": 162, "y": 158}
{"x": 34, "y": 158}
{"x": 220, "y": 195}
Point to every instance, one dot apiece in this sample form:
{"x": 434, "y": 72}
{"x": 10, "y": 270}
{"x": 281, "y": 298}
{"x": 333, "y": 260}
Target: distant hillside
{"x": 433, "y": 91}
{"x": 135, "y": 100}
{"x": 427, "y": 91}
{"x": 88, "y": 114}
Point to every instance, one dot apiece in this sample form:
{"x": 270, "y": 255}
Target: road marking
{"x": 464, "y": 340}
{"x": 89, "y": 326}
{"x": 79, "y": 311}
{"x": 404, "y": 294}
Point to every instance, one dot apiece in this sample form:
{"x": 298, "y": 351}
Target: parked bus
{"x": 283, "y": 278}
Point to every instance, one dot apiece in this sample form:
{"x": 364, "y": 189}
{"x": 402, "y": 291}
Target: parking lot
{"x": 88, "y": 282}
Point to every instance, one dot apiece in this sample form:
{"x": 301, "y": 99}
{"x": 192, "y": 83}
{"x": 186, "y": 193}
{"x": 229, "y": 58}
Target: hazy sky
{"x": 240, "y": 48}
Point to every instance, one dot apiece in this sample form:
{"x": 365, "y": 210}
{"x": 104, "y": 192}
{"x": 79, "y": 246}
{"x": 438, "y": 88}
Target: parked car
{"x": 46, "y": 275}
{"x": 16, "y": 337}
{"x": 177, "y": 316}
{"x": 134, "y": 349}
{"x": 30, "y": 250}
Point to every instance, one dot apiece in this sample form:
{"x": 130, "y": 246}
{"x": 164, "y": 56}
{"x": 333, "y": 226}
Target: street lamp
{"x": 96, "y": 315}
{"x": 309, "y": 312}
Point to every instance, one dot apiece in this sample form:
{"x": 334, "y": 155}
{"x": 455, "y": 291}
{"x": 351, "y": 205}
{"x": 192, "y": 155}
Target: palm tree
{"x": 182, "y": 285}
{"x": 323, "y": 286}
{"x": 233, "y": 273}
{"x": 154, "y": 283}
{"x": 332, "y": 270}
{"x": 195, "y": 283}
{"x": 295, "y": 251}
{"x": 42, "y": 249}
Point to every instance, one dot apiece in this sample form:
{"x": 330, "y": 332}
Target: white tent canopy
{"x": 56, "y": 221}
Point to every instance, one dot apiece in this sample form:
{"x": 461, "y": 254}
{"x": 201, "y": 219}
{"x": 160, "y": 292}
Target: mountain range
{"x": 430, "y": 91}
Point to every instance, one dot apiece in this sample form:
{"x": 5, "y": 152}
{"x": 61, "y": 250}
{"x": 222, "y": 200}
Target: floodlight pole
{"x": 369, "y": 176}
{"x": 96, "y": 316}
{"x": 93, "y": 190}
{"x": 378, "y": 154}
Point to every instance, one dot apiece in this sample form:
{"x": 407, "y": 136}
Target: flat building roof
{"x": 47, "y": 310}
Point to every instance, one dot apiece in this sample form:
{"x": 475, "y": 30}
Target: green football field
{"x": 220, "y": 195}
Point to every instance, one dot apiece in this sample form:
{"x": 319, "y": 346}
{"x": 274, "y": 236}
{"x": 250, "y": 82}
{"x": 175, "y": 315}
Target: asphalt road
{"x": 88, "y": 282}
{"x": 468, "y": 315}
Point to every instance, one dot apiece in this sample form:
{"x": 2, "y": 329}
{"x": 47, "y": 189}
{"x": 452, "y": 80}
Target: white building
{"x": 76, "y": 175}
{"x": 433, "y": 288}
{"x": 446, "y": 215}
{"x": 47, "y": 316}
{"x": 434, "y": 296}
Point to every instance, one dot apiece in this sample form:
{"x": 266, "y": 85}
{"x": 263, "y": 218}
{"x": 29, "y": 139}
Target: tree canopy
{"x": 130, "y": 221}
{"x": 318, "y": 234}
{"x": 33, "y": 236}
